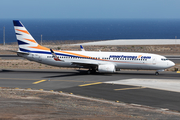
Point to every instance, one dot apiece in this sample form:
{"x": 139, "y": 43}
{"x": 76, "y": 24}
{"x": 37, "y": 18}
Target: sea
{"x": 94, "y": 29}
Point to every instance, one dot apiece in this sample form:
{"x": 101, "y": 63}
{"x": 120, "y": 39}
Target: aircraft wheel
{"x": 156, "y": 73}
{"x": 91, "y": 71}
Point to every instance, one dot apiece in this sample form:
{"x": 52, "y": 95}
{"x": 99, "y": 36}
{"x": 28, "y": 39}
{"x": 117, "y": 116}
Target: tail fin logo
{"x": 24, "y": 31}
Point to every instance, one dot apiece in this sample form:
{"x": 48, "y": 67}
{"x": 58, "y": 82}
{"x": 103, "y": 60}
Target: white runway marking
{"x": 161, "y": 84}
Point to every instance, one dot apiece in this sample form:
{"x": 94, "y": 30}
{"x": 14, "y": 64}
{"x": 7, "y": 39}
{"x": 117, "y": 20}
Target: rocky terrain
{"x": 18, "y": 104}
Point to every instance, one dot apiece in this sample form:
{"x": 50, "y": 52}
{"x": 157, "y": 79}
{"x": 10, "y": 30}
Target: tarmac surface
{"x": 113, "y": 87}
{"x": 10, "y": 57}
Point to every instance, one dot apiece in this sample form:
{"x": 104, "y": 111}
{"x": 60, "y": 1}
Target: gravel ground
{"x": 33, "y": 104}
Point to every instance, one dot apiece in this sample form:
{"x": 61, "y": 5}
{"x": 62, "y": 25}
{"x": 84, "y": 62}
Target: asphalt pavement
{"x": 94, "y": 85}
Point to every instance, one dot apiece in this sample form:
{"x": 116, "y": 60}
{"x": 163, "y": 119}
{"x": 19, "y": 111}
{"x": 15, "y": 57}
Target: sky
{"x": 89, "y": 9}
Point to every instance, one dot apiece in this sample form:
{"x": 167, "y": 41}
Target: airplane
{"x": 102, "y": 62}
{"x": 82, "y": 49}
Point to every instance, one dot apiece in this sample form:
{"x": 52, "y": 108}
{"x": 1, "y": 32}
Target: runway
{"x": 133, "y": 42}
{"x": 114, "y": 87}
{"x": 10, "y": 57}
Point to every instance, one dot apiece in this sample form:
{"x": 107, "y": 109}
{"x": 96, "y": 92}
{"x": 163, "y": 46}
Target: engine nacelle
{"x": 106, "y": 69}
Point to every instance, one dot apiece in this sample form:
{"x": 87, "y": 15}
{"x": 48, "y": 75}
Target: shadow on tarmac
{"x": 65, "y": 73}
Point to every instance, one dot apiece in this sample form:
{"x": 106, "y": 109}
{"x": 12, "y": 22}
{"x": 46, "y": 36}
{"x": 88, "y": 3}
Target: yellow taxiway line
{"x": 74, "y": 81}
{"x": 39, "y": 81}
{"x": 90, "y": 84}
{"x": 130, "y": 88}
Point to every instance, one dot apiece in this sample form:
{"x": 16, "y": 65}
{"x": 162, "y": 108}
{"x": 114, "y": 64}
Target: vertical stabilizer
{"x": 82, "y": 49}
{"x": 24, "y": 38}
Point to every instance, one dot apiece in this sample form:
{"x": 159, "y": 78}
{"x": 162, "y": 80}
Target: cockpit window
{"x": 164, "y": 59}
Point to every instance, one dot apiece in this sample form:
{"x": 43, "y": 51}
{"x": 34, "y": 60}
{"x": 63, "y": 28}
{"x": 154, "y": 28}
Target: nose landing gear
{"x": 156, "y": 73}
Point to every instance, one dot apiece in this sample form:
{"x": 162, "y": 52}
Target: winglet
{"x": 55, "y": 56}
{"x": 51, "y": 51}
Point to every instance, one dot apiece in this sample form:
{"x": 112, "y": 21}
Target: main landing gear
{"x": 91, "y": 71}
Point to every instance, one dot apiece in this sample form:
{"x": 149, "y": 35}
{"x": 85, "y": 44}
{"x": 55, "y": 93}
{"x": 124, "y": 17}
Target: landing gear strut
{"x": 157, "y": 72}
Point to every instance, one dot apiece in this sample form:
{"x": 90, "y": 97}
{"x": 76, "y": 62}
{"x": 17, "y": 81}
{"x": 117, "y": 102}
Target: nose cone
{"x": 171, "y": 64}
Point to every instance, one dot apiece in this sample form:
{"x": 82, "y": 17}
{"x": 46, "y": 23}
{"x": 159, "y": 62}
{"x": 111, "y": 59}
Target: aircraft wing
{"x": 85, "y": 64}
{"x": 77, "y": 63}
{"x": 55, "y": 56}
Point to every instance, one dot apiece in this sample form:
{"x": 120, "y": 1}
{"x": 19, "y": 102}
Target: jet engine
{"x": 106, "y": 69}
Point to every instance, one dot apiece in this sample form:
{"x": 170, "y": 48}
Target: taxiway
{"x": 101, "y": 86}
